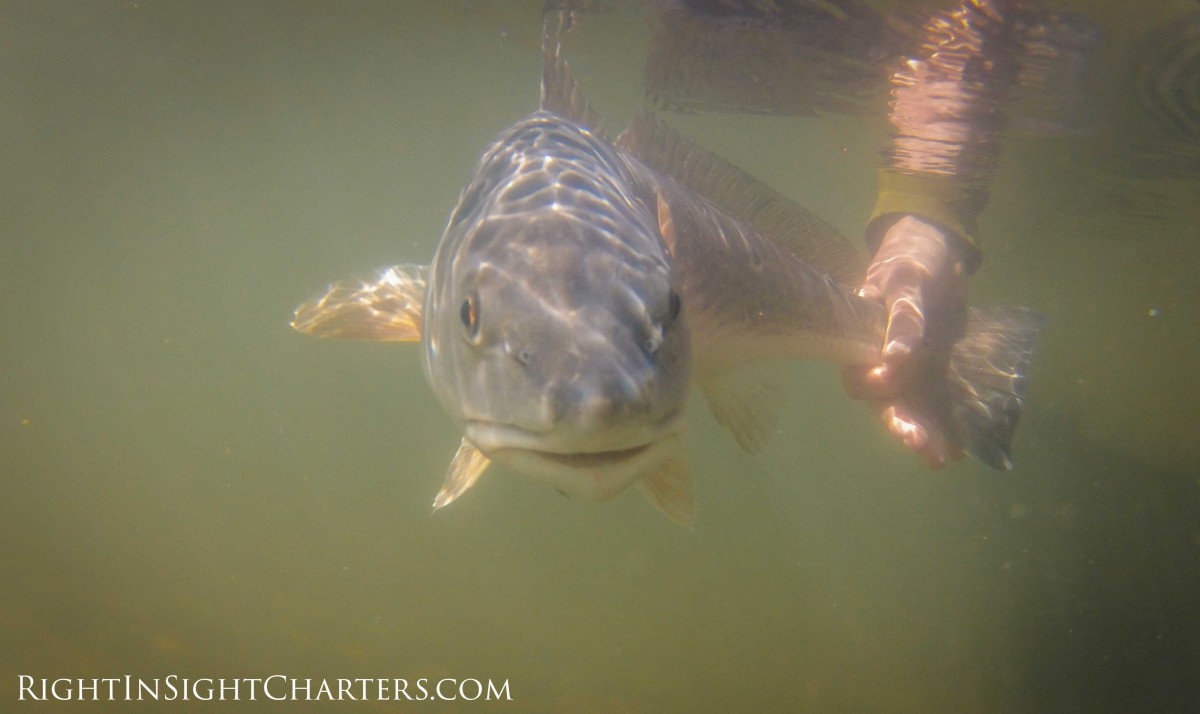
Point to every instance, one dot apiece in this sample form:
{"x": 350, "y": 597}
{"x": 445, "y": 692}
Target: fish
{"x": 584, "y": 287}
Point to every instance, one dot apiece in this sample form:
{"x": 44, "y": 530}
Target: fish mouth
{"x": 499, "y": 440}
{"x": 590, "y": 474}
{"x": 585, "y": 459}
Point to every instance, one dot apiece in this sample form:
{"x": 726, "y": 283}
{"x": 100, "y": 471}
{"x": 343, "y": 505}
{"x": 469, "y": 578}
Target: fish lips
{"x": 592, "y": 474}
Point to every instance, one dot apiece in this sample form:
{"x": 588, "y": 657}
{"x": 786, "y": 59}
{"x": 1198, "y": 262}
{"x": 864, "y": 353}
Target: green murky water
{"x": 188, "y": 487}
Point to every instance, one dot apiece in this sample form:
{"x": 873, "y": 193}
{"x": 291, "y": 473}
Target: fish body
{"x": 582, "y": 287}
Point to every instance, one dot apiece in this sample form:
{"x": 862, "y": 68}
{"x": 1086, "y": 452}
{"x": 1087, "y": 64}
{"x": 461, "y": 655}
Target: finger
{"x": 930, "y": 444}
{"x": 909, "y": 431}
{"x": 866, "y": 382}
{"x": 872, "y": 382}
{"x": 871, "y": 290}
{"x": 905, "y": 328}
{"x": 941, "y": 452}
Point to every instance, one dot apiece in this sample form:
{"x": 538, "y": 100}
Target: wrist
{"x": 940, "y": 201}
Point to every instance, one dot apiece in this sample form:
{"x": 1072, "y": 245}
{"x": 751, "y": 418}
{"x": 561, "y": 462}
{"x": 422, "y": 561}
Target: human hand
{"x": 919, "y": 277}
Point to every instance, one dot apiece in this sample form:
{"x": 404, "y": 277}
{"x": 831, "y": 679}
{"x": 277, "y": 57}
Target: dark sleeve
{"x": 945, "y": 117}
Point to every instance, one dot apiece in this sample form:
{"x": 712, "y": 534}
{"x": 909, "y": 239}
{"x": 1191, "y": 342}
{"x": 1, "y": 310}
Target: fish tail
{"x": 976, "y": 400}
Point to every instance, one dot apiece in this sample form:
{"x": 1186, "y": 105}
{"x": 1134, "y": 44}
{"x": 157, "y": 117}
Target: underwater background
{"x": 189, "y": 487}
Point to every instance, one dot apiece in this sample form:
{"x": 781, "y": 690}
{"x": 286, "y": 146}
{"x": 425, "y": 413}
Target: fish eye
{"x": 674, "y": 305}
{"x": 468, "y": 312}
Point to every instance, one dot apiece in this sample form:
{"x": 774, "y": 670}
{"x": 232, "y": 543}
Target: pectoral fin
{"x": 668, "y": 487}
{"x": 384, "y": 306}
{"x": 748, "y": 402}
{"x": 466, "y": 467}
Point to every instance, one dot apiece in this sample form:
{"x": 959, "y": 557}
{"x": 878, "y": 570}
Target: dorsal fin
{"x": 560, "y": 94}
{"x": 737, "y": 192}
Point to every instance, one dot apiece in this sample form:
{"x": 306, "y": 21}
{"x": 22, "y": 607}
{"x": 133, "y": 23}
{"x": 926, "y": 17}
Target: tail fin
{"x": 977, "y": 399}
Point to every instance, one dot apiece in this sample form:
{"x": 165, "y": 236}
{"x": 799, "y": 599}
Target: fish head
{"x": 560, "y": 344}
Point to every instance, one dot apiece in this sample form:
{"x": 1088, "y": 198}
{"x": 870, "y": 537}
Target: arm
{"x": 945, "y": 118}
